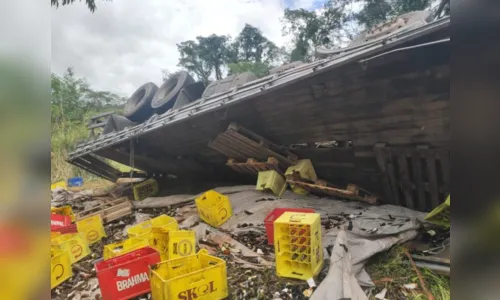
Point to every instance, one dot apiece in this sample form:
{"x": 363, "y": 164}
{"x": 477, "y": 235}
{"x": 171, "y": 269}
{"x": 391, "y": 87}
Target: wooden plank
{"x": 418, "y": 181}
{"x": 121, "y": 207}
{"x": 430, "y": 160}
{"x": 331, "y": 191}
{"x": 247, "y": 148}
{"x": 380, "y": 158}
{"x": 219, "y": 145}
{"x": 262, "y": 141}
{"x": 391, "y": 172}
{"x": 263, "y": 151}
{"x": 404, "y": 177}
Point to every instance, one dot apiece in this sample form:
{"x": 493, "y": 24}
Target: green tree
{"x": 311, "y": 29}
{"x": 215, "y": 49}
{"x": 90, "y": 3}
{"x": 252, "y": 46}
{"x": 204, "y": 56}
{"x": 211, "y": 55}
{"x": 258, "y": 68}
{"x": 72, "y": 98}
{"x": 253, "y": 52}
{"x": 378, "y": 11}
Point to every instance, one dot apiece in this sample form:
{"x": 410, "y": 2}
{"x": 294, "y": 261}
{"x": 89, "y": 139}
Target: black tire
{"x": 166, "y": 95}
{"x": 285, "y": 67}
{"x": 138, "y": 106}
{"x": 227, "y": 83}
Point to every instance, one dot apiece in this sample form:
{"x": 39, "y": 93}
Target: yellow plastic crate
{"x": 298, "y": 190}
{"x": 200, "y": 277}
{"x": 297, "y": 245}
{"x": 441, "y": 214}
{"x": 60, "y": 267}
{"x": 74, "y": 243}
{"x": 214, "y": 208}
{"x": 271, "y": 180}
{"x": 91, "y": 228}
{"x": 123, "y": 247}
{"x": 60, "y": 184}
{"x": 65, "y": 211}
{"x": 147, "y": 188}
{"x": 162, "y": 221}
{"x": 173, "y": 244}
{"x": 303, "y": 169}
{"x": 54, "y": 234}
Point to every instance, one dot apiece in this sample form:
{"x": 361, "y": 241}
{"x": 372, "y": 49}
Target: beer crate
{"x": 162, "y": 221}
{"x": 147, "y": 188}
{"x": 297, "y": 245}
{"x": 200, "y": 276}
{"x": 123, "y": 247}
{"x": 173, "y": 243}
{"x": 126, "y": 276}
{"x": 60, "y": 267}
{"x": 74, "y": 243}
{"x": 91, "y": 228}
{"x": 214, "y": 208}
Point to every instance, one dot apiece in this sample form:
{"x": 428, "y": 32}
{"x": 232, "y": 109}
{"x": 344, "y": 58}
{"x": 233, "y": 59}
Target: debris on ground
{"x": 355, "y": 233}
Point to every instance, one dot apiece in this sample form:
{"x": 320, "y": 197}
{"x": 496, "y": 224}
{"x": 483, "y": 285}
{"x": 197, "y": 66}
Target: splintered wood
{"x": 249, "y": 152}
{"x": 322, "y": 187}
{"x": 109, "y": 211}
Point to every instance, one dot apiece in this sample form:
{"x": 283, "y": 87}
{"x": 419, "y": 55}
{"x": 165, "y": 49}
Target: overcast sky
{"x": 126, "y": 43}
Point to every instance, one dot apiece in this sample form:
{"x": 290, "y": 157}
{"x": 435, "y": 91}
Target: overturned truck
{"x": 375, "y": 114}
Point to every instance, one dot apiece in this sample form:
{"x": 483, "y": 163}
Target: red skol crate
{"x": 126, "y": 276}
{"x": 59, "y": 221}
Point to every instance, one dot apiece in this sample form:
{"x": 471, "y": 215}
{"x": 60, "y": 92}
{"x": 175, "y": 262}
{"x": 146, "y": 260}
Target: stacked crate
{"x": 297, "y": 245}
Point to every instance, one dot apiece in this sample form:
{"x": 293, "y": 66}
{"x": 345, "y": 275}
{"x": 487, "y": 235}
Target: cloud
{"x": 126, "y": 43}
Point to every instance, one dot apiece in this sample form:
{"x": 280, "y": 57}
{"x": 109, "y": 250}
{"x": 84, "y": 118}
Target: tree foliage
{"x": 214, "y": 54}
{"x": 73, "y": 98}
{"x": 204, "y": 56}
{"x": 378, "y": 11}
{"x": 260, "y": 69}
{"x": 73, "y": 102}
{"x": 310, "y": 29}
{"x": 332, "y": 26}
{"x": 252, "y": 46}
{"x": 90, "y": 3}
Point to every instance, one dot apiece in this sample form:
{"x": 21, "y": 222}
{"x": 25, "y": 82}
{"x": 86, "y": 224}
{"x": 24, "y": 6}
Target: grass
{"x": 64, "y": 138}
{"x": 392, "y": 270}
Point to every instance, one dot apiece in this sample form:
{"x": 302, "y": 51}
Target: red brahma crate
{"x": 126, "y": 276}
{"x": 59, "y": 221}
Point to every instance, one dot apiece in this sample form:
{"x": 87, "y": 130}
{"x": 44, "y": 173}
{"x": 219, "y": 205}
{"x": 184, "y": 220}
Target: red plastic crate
{"x": 275, "y": 214}
{"x": 126, "y": 276}
{"x": 67, "y": 229}
{"x": 59, "y": 221}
